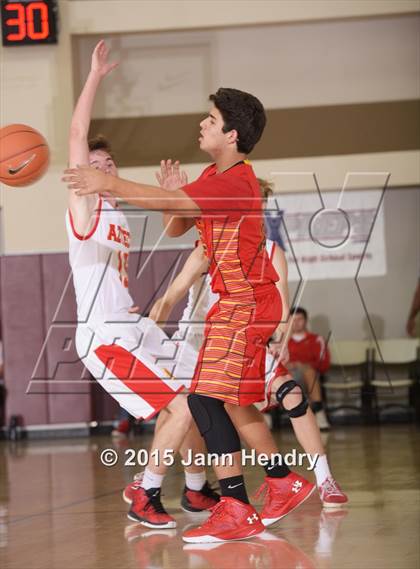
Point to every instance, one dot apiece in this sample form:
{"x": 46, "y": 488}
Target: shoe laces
{"x": 155, "y": 503}
{"x": 263, "y": 489}
{"x": 330, "y": 485}
{"x": 209, "y": 492}
{"x": 269, "y": 491}
{"x": 217, "y": 511}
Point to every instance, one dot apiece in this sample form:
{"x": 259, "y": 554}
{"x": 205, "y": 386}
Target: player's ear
{"x": 233, "y": 136}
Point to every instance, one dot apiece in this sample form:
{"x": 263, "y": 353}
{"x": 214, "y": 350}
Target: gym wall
{"x": 351, "y": 106}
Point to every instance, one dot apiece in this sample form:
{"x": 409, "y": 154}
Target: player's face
{"x": 299, "y": 324}
{"x": 212, "y": 138}
{"x": 101, "y": 160}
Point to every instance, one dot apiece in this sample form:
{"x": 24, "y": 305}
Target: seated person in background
{"x": 308, "y": 358}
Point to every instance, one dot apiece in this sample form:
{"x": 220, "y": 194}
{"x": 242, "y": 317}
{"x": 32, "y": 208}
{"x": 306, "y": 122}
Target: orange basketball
{"x": 24, "y": 155}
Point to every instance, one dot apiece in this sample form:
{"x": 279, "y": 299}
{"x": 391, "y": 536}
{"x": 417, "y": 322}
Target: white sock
{"x": 195, "y": 480}
{"x": 322, "y": 469}
{"x": 151, "y": 480}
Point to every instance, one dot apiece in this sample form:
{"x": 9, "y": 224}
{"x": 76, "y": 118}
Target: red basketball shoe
{"x": 230, "y": 519}
{"x": 191, "y": 501}
{"x": 147, "y": 509}
{"x": 331, "y": 494}
{"x": 199, "y": 500}
{"x": 283, "y": 495}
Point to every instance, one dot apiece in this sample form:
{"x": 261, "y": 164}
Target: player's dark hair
{"x": 266, "y": 188}
{"x": 299, "y": 310}
{"x": 99, "y": 142}
{"x": 241, "y": 112}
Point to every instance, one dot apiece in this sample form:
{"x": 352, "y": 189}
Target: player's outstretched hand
{"x": 170, "y": 177}
{"x": 100, "y": 63}
{"x": 86, "y": 180}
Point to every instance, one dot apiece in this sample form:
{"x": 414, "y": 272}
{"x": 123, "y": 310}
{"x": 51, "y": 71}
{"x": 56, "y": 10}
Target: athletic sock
{"x": 234, "y": 487}
{"x": 195, "y": 480}
{"x": 322, "y": 469}
{"x": 151, "y": 480}
{"x": 275, "y": 469}
{"x": 317, "y": 406}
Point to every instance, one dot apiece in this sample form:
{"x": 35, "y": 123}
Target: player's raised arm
{"x": 82, "y": 207}
{"x": 194, "y": 267}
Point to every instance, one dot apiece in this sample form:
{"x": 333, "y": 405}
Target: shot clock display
{"x": 28, "y": 23}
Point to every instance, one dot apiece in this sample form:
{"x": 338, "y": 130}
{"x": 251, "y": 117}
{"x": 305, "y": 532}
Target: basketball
{"x": 24, "y": 155}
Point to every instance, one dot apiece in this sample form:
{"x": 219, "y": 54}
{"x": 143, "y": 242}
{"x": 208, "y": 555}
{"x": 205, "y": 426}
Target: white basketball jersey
{"x": 99, "y": 262}
{"x": 200, "y": 299}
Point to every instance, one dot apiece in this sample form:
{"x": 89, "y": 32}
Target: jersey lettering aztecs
{"x": 231, "y": 227}
{"x": 99, "y": 262}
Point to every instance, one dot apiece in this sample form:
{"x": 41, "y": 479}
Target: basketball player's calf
{"x": 233, "y": 518}
{"x": 283, "y": 390}
{"x": 174, "y": 429}
{"x": 285, "y": 490}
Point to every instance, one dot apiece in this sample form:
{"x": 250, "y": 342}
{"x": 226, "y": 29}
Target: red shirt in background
{"x": 311, "y": 350}
{"x": 231, "y": 227}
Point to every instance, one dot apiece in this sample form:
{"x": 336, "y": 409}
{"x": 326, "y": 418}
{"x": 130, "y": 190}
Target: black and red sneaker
{"x": 148, "y": 510}
{"x": 199, "y": 500}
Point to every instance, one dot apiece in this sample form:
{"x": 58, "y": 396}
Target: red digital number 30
{"x": 25, "y": 21}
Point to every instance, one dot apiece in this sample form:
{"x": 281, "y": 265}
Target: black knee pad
{"x": 284, "y": 390}
{"x": 214, "y": 424}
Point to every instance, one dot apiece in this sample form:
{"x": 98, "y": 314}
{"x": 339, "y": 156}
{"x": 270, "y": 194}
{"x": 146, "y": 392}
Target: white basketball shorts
{"x": 136, "y": 363}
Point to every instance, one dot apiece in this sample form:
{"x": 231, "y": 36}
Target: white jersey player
{"x": 125, "y": 353}
{"x": 129, "y": 355}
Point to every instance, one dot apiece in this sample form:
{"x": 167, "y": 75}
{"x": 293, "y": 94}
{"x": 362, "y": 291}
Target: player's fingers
{"x": 99, "y": 45}
{"x": 71, "y": 179}
{"x": 163, "y": 168}
{"x": 184, "y": 178}
{"x": 81, "y": 191}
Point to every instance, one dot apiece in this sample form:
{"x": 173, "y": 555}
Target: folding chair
{"x": 353, "y": 358}
{"x": 392, "y": 353}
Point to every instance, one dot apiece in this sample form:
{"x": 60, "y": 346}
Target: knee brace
{"x": 284, "y": 390}
{"x": 214, "y": 424}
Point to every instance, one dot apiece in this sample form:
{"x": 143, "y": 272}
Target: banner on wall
{"x": 329, "y": 242}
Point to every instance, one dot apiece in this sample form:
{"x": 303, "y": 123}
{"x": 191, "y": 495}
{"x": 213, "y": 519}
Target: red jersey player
{"x": 308, "y": 358}
{"x": 226, "y": 207}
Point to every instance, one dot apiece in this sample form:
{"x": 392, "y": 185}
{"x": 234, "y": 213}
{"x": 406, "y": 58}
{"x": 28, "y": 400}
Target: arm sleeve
{"x": 218, "y": 195}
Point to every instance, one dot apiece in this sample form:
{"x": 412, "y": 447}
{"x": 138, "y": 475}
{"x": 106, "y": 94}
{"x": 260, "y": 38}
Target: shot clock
{"x": 28, "y": 22}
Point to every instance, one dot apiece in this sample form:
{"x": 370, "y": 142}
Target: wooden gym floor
{"x": 60, "y": 508}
